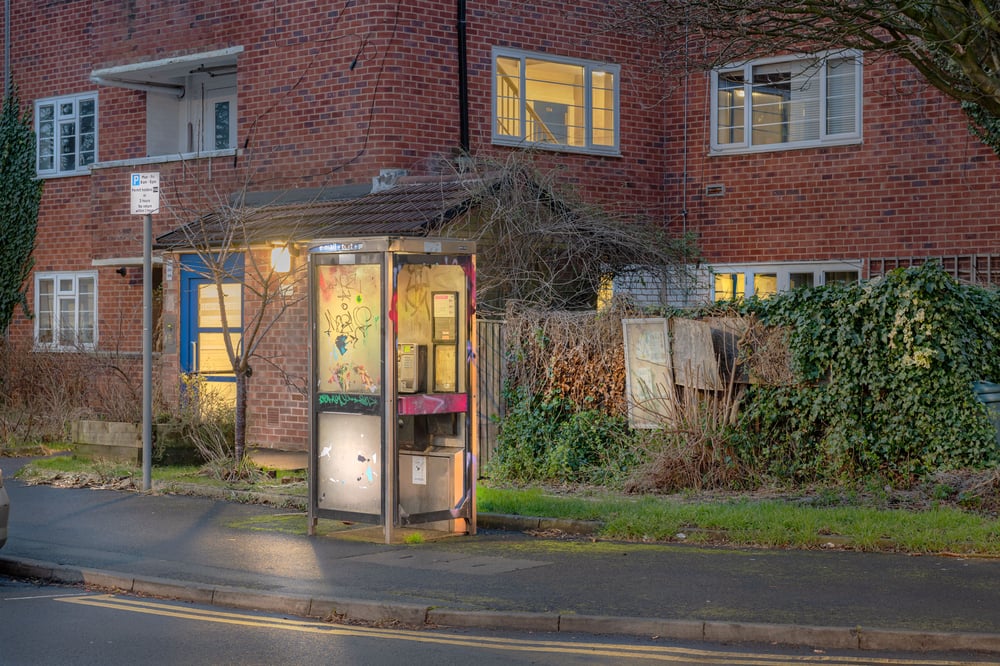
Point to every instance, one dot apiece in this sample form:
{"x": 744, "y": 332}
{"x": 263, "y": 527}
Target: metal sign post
{"x": 146, "y": 201}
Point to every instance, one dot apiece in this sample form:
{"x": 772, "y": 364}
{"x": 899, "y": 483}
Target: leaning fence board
{"x": 649, "y": 385}
{"x": 727, "y": 332}
{"x": 695, "y": 363}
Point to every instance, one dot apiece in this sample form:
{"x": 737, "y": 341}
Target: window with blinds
{"x": 793, "y": 103}
{"x": 66, "y": 134}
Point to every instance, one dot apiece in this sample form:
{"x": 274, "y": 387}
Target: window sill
{"x": 556, "y": 148}
{"x": 163, "y": 159}
{"x": 64, "y": 174}
{"x": 91, "y": 350}
{"x": 56, "y": 349}
{"x": 717, "y": 151}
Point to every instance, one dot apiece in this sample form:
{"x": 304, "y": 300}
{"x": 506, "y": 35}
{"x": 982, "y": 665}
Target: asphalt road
{"x": 50, "y": 624}
{"x": 255, "y": 556}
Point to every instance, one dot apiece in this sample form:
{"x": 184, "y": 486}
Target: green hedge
{"x": 885, "y": 370}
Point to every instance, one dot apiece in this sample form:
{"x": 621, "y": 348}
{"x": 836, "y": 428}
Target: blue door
{"x": 203, "y": 353}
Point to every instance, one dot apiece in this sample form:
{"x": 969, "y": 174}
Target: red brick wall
{"x": 331, "y": 92}
{"x": 632, "y": 183}
{"x": 277, "y": 413}
{"x": 919, "y": 184}
{"x": 280, "y": 387}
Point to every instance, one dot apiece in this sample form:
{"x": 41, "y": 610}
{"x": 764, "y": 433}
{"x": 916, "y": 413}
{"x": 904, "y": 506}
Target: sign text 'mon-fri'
{"x": 145, "y": 193}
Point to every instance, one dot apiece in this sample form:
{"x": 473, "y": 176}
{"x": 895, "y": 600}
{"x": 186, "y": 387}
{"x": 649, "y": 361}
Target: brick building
{"x": 839, "y": 168}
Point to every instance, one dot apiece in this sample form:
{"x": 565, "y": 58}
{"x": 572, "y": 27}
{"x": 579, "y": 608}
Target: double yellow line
{"x": 610, "y": 651}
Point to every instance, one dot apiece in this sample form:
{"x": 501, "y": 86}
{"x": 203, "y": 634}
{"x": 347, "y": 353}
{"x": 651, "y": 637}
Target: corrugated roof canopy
{"x": 408, "y": 209}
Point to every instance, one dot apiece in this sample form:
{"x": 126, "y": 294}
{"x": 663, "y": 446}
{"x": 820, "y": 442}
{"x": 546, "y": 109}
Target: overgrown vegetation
{"x": 41, "y": 394}
{"x": 572, "y": 355}
{"x": 20, "y": 196}
{"x": 870, "y": 382}
{"x": 565, "y": 419}
{"x": 552, "y": 440}
{"x": 539, "y": 245}
{"x": 206, "y": 422}
{"x": 695, "y": 450}
{"x": 883, "y": 373}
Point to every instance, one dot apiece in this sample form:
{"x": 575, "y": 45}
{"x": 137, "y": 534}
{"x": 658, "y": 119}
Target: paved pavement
{"x": 253, "y": 556}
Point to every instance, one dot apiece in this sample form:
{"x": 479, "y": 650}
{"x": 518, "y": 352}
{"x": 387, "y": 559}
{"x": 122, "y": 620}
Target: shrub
{"x": 555, "y": 440}
{"x": 207, "y": 421}
{"x": 884, "y": 374}
{"x": 40, "y": 394}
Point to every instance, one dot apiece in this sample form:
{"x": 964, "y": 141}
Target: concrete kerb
{"x": 415, "y": 615}
{"x": 502, "y": 521}
{"x": 919, "y": 641}
{"x": 510, "y": 621}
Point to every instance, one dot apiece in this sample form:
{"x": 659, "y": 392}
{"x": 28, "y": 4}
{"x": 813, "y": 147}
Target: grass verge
{"x": 739, "y": 521}
{"x": 69, "y": 470}
{"x": 768, "y": 523}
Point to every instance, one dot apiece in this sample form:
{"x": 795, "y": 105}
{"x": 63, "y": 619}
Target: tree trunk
{"x": 240, "y": 438}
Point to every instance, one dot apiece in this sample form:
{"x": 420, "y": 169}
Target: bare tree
{"x": 954, "y": 44}
{"x": 234, "y": 243}
{"x": 539, "y": 245}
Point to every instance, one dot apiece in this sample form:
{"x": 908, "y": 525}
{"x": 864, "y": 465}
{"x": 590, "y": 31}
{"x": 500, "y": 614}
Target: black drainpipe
{"x": 6, "y": 49}
{"x": 463, "y": 81}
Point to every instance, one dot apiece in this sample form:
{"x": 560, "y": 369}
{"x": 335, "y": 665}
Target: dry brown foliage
{"x": 691, "y": 451}
{"x": 42, "y": 392}
{"x": 577, "y": 355}
{"x": 764, "y": 354}
{"x": 540, "y": 245}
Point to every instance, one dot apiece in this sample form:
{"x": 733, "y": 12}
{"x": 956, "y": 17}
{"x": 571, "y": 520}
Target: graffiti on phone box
{"x": 348, "y": 400}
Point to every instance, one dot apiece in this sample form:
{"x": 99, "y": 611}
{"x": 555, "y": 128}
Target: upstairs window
{"x": 561, "y": 103}
{"x": 191, "y": 102}
{"x": 783, "y": 104}
{"x": 66, "y": 134}
{"x": 66, "y": 310}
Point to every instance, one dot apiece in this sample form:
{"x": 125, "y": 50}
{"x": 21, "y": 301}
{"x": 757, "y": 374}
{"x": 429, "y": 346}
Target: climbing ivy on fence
{"x": 20, "y": 195}
{"x": 884, "y": 371}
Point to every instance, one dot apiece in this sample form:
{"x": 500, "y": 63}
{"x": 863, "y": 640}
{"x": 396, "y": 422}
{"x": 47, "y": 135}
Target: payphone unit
{"x": 411, "y": 367}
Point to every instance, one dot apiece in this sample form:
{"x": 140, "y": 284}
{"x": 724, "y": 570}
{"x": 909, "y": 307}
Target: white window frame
{"x": 819, "y": 62}
{"x": 590, "y": 68}
{"x": 59, "y": 120}
{"x": 782, "y": 272}
{"x": 65, "y": 287}
{"x": 212, "y": 96}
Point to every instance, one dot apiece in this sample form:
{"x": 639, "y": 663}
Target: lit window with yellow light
{"x": 548, "y": 101}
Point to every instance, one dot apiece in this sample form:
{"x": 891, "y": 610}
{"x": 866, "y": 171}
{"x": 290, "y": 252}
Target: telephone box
{"x": 392, "y": 405}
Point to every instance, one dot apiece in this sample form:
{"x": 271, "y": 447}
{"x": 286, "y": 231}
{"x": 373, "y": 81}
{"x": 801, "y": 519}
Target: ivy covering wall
{"x": 884, "y": 379}
{"x": 20, "y": 195}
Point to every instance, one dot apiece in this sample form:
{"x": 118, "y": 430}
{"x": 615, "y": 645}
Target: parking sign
{"x": 145, "y": 193}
